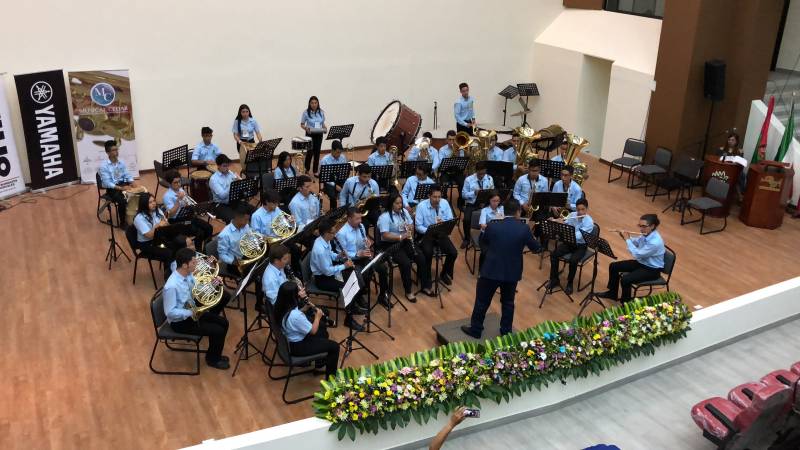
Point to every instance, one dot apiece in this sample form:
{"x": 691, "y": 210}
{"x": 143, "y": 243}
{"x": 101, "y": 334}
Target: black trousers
{"x": 319, "y": 343}
{"x": 451, "y": 177}
{"x": 152, "y": 250}
{"x": 313, "y": 154}
{"x": 202, "y": 232}
{"x": 225, "y": 212}
{"x": 333, "y": 196}
{"x": 427, "y": 245}
{"x": 634, "y": 272}
{"x": 211, "y": 324}
{"x": 484, "y": 292}
{"x": 122, "y": 205}
{"x": 378, "y": 268}
{"x": 466, "y": 129}
{"x": 327, "y": 283}
{"x": 404, "y": 257}
{"x": 577, "y": 252}
{"x": 467, "y": 219}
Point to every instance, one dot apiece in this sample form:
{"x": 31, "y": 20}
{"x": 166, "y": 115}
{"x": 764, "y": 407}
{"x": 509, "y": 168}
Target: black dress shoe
{"x": 383, "y": 300}
{"x": 411, "y": 298}
{"x": 607, "y": 294}
{"x": 429, "y": 292}
{"x": 552, "y": 284}
{"x": 568, "y": 289}
{"x": 224, "y": 358}
{"x": 468, "y": 331}
{"x": 221, "y": 364}
{"x": 444, "y": 278}
{"x": 353, "y": 325}
{"x": 464, "y": 244}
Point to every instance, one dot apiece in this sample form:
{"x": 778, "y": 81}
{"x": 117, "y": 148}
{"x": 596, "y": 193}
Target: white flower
{"x": 542, "y": 355}
{"x": 523, "y": 344}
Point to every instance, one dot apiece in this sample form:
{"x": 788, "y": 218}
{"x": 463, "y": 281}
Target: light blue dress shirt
{"x": 249, "y": 128}
{"x": 144, "y": 226}
{"x": 322, "y": 257}
{"x": 203, "y": 152}
{"x": 472, "y": 185}
{"x": 464, "y": 110}
{"x": 112, "y": 174}
{"x": 315, "y": 120}
{"x": 261, "y": 221}
{"x": 559, "y": 158}
{"x": 495, "y": 154}
{"x": 648, "y": 250}
{"x": 510, "y": 155}
{"x": 523, "y": 186}
{"x": 329, "y": 159}
{"x": 352, "y": 239}
{"x": 376, "y": 159}
{"x": 280, "y": 173}
{"x": 426, "y": 214}
{"x": 574, "y": 194}
{"x": 228, "y": 242}
{"x": 353, "y": 191}
{"x": 488, "y": 214}
{"x": 296, "y": 326}
{"x": 392, "y": 222}
{"x": 444, "y": 152}
{"x": 410, "y": 189}
{"x": 304, "y": 209}
{"x": 271, "y": 281}
{"x": 583, "y": 225}
{"x": 220, "y": 184}
{"x": 177, "y": 293}
{"x": 170, "y": 198}
{"x": 413, "y": 155}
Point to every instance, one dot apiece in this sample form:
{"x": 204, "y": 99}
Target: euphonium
{"x": 471, "y": 148}
{"x": 283, "y": 225}
{"x": 253, "y": 246}
{"x": 526, "y": 137}
{"x": 424, "y": 145}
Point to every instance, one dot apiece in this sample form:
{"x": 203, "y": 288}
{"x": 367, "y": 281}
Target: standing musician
{"x": 178, "y": 293}
{"x": 396, "y": 225}
{"x": 175, "y": 199}
{"x": 429, "y": 212}
{"x": 305, "y": 337}
{"x": 332, "y": 189}
{"x": 147, "y": 221}
{"x": 360, "y": 187}
{"x": 305, "y": 205}
{"x": 410, "y": 188}
{"x": 472, "y": 184}
{"x": 228, "y": 239}
{"x": 565, "y": 184}
{"x": 379, "y": 156}
{"x": 313, "y": 118}
{"x": 114, "y": 177}
{"x": 584, "y": 225}
{"x": 331, "y": 277}
{"x": 505, "y": 241}
{"x": 352, "y": 236}
{"x": 414, "y": 154}
{"x": 245, "y": 128}
{"x": 533, "y": 182}
{"x": 205, "y": 152}
{"x": 220, "y": 184}
{"x": 464, "y": 110}
{"x": 648, "y": 253}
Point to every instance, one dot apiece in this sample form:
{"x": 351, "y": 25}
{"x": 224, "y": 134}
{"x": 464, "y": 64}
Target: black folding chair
{"x": 103, "y": 196}
{"x": 685, "y": 176}
{"x": 165, "y": 334}
{"x": 716, "y": 193}
{"x": 648, "y": 173}
{"x": 669, "y": 265}
{"x": 474, "y": 241}
{"x": 632, "y": 156}
{"x": 130, "y": 235}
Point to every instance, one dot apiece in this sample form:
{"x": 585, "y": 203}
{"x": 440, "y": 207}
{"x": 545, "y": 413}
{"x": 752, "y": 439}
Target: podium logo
{"x": 41, "y": 92}
{"x": 720, "y": 175}
{"x": 103, "y": 94}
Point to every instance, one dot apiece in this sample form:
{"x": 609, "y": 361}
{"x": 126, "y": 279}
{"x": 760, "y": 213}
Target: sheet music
{"x": 371, "y": 263}
{"x": 350, "y": 289}
{"x": 736, "y": 159}
{"x": 246, "y": 280}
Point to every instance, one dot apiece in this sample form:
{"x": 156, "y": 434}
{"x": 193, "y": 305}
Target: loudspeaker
{"x": 714, "y": 80}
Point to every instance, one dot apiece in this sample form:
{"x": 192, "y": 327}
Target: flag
{"x": 761, "y": 145}
{"x": 788, "y": 135}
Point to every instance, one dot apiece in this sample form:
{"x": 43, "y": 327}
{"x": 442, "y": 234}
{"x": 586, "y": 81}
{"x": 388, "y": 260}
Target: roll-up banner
{"x": 46, "y": 123}
{"x": 102, "y": 108}
{"x": 11, "y": 181}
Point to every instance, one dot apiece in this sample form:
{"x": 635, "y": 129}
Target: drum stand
{"x": 113, "y": 245}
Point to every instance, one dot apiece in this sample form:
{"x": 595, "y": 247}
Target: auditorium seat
{"x": 742, "y": 395}
{"x": 781, "y": 377}
{"x": 796, "y": 367}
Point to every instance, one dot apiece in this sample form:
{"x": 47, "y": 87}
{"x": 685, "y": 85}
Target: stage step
{"x": 447, "y": 332}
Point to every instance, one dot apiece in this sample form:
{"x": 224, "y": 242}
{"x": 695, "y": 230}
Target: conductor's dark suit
{"x": 504, "y": 242}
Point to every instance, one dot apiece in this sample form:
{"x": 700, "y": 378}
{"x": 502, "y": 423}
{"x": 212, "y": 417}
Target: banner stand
{"x": 50, "y": 188}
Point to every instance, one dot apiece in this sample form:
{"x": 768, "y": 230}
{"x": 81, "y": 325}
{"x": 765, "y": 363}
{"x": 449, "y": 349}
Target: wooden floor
{"x": 80, "y": 336}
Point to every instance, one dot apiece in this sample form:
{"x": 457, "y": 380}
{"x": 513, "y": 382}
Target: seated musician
{"x": 305, "y": 337}
{"x": 174, "y": 200}
{"x": 205, "y": 152}
{"x": 331, "y": 277}
{"x": 566, "y": 184}
{"x": 115, "y": 179}
{"x": 261, "y": 221}
{"x": 429, "y": 212}
{"x": 284, "y": 169}
{"x": 410, "y": 187}
{"x": 379, "y": 156}
{"x": 220, "y": 185}
{"x": 449, "y": 150}
{"x": 178, "y": 293}
{"x": 361, "y": 187}
{"x": 495, "y": 153}
{"x": 415, "y": 154}
{"x": 510, "y": 154}
{"x": 396, "y": 225}
{"x": 228, "y": 239}
{"x": 562, "y": 152}
{"x": 274, "y": 275}
{"x": 352, "y": 236}
{"x": 492, "y": 211}
{"x": 533, "y": 182}
{"x": 584, "y": 225}
{"x": 478, "y": 181}
{"x": 648, "y": 253}
{"x": 148, "y": 220}
{"x": 305, "y": 205}
{"x": 332, "y": 189}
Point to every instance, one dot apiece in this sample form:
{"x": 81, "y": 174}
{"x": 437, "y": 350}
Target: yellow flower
{"x": 376, "y": 392}
{"x": 369, "y": 380}
{"x": 388, "y": 393}
{"x": 530, "y": 353}
{"x": 361, "y": 395}
{"x": 354, "y": 416}
{"x": 596, "y": 336}
{"x": 417, "y": 373}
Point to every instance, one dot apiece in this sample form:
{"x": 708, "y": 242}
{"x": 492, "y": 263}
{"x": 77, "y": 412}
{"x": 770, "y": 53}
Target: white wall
{"x": 593, "y": 98}
{"x": 193, "y": 62}
{"x": 790, "y": 43}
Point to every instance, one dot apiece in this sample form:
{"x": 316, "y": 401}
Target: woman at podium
{"x": 731, "y": 147}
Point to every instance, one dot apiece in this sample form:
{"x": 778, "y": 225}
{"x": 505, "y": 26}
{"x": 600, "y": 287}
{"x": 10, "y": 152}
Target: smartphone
{"x": 472, "y": 412}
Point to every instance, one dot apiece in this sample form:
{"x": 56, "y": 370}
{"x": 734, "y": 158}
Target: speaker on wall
{"x": 714, "y": 80}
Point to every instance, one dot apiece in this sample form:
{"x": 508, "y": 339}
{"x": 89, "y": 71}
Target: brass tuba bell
{"x": 575, "y": 145}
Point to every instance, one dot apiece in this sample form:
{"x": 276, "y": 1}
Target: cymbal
{"x": 501, "y": 129}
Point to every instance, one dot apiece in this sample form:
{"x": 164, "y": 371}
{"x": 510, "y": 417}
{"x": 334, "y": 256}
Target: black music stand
{"x": 333, "y": 173}
{"x": 285, "y": 184}
{"x": 389, "y": 252}
{"x": 600, "y": 246}
{"x": 340, "y": 132}
{"x": 502, "y": 171}
{"x": 548, "y": 144}
{"x": 382, "y": 175}
{"x": 551, "y": 169}
{"x": 423, "y": 191}
{"x": 454, "y": 167}
{"x": 244, "y": 344}
{"x": 444, "y": 228}
{"x": 508, "y": 93}
{"x": 113, "y": 245}
{"x": 410, "y": 167}
{"x": 559, "y": 232}
{"x": 527, "y": 90}
{"x": 261, "y": 155}
{"x": 176, "y": 157}
{"x": 545, "y": 200}
{"x": 242, "y": 190}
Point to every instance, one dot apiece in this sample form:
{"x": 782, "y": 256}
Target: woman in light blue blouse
{"x": 245, "y": 128}
{"x": 313, "y": 120}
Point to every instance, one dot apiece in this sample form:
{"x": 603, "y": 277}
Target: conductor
{"x": 505, "y": 241}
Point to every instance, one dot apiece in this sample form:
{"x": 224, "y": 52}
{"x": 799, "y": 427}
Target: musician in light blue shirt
{"x": 380, "y": 157}
{"x": 220, "y": 185}
{"x": 447, "y": 150}
{"x": 510, "y": 154}
{"x": 451, "y": 175}
{"x": 562, "y": 153}
{"x": 472, "y": 184}
{"x": 584, "y": 225}
{"x": 313, "y": 122}
{"x": 352, "y": 236}
{"x": 396, "y": 229}
{"x": 648, "y": 251}
{"x": 205, "y": 152}
{"x": 175, "y": 199}
{"x": 305, "y": 205}
{"x": 359, "y": 187}
{"x": 416, "y": 153}
{"x": 261, "y": 220}
{"x": 284, "y": 168}
{"x": 568, "y": 185}
{"x": 147, "y": 221}
{"x": 429, "y": 212}
{"x": 245, "y": 128}
{"x": 274, "y": 275}
{"x": 410, "y": 188}
{"x": 533, "y": 181}
{"x": 464, "y": 110}
{"x": 228, "y": 239}
{"x": 492, "y": 211}
{"x": 332, "y": 189}
{"x": 114, "y": 177}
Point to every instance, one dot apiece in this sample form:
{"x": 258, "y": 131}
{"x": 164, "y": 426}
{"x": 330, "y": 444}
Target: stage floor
{"x": 80, "y": 336}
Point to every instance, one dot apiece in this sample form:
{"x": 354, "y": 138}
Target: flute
{"x": 632, "y": 233}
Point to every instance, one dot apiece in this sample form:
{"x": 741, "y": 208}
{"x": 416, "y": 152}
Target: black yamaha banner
{"x": 46, "y": 122}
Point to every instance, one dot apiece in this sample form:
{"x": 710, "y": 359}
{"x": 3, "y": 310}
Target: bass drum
{"x": 199, "y": 185}
{"x": 399, "y": 123}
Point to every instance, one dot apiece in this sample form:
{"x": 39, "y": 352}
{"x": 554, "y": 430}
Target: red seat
{"x": 716, "y": 416}
{"x": 796, "y": 367}
{"x": 781, "y": 377}
{"x": 742, "y": 395}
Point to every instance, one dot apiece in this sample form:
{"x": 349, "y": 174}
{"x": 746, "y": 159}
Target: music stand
{"x": 410, "y": 167}
{"x": 113, "y": 245}
{"x": 339, "y": 132}
{"x": 559, "y": 232}
{"x": 244, "y": 344}
{"x": 382, "y": 174}
{"x": 508, "y": 93}
{"x": 389, "y": 252}
{"x": 423, "y": 191}
{"x": 242, "y": 190}
{"x": 444, "y": 228}
{"x": 551, "y": 169}
{"x": 500, "y": 170}
{"x": 600, "y": 246}
{"x": 285, "y": 184}
{"x": 176, "y": 157}
{"x": 527, "y": 90}
{"x": 454, "y": 163}
{"x": 334, "y": 173}
{"x": 261, "y": 155}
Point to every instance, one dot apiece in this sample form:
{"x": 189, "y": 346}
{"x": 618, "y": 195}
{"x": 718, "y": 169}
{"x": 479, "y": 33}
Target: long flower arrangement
{"x": 422, "y": 385}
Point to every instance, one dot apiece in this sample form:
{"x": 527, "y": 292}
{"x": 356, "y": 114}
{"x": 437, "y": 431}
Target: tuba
{"x": 283, "y": 225}
{"x": 471, "y": 147}
{"x": 576, "y": 144}
{"x": 526, "y": 138}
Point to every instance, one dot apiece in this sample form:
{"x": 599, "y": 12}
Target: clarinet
{"x": 306, "y": 301}
{"x": 410, "y": 231}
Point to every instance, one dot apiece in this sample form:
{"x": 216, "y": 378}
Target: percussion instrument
{"x": 198, "y": 185}
{"x": 132, "y": 197}
{"x": 301, "y": 143}
{"x": 315, "y": 131}
{"x": 439, "y": 138}
{"x": 499, "y": 129}
{"x": 211, "y": 168}
{"x": 245, "y": 147}
{"x": 399, "y": 123}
